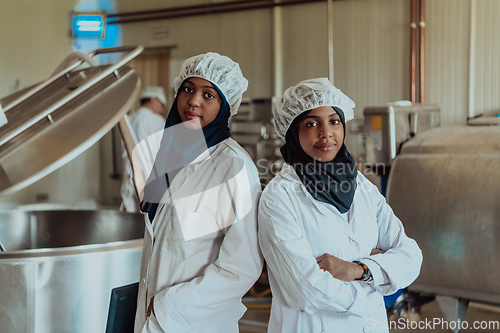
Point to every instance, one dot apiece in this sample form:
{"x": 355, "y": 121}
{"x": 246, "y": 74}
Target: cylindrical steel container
{"x": 59, "y": 267}
{"x": 445, "y": 188}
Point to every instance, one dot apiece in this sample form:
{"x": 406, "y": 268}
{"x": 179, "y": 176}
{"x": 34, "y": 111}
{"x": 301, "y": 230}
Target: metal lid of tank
{"x": 51, "y": 123}
{"x": 455, "y": 139}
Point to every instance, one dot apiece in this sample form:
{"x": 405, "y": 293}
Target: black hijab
{"x": 332, "y": 182}
{"x": 179, "y": 147}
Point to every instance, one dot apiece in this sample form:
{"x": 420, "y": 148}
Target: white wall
{"x": 305, "y": 42}
{"x": 371, "y": 54}
{"x": 243, "y": 36}
{"x": 447, "y": 58}
{"x": 463, "y": 58}
{"x": 485, "y": 53}
{"x": 34, "y": 39}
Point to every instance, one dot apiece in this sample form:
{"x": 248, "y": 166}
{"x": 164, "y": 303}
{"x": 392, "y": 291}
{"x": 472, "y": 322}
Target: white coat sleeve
{"x": 400, "y": 265}
{"x": 290, "y": 259}
{"x": 146, "y": 124}
{"x": 187, "y": 306}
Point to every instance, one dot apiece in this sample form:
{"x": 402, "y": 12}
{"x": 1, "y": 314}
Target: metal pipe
{"x": 278, "y": 51}
{"x": 472, "y": 40}
{"x": 129, "y": 142}
{"x": 422, "y": 52}
{"x": 63, "y": 72}
{"x": 184, "y": 8}
{"x": 135, "y": 52}
{"x": 115, "y": 49}
{"x": 114, "y": 155}
{"x": 42, "y": 85}
{"x": 330, "y": 40}
{"x": 196, "y": 10}
{"x": 413, "y": 41}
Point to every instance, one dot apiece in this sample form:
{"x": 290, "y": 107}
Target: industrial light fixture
{"x": 88, "y": 24}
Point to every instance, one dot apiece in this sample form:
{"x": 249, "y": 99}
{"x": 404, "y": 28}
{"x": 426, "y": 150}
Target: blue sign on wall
{"x": 88, "y": 25}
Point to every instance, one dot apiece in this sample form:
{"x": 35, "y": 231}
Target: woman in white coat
{"x": 332, "y": 244}
{"x": 200, "y": 253}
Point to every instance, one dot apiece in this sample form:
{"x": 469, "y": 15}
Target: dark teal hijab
{"x": 179, "y": 147}
{"x": 332, "y": 182}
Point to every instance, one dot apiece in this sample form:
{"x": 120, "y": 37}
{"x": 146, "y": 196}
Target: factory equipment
{"x": 253, "y": 128}
{"x": 57, "y": 268}
{"x": 388, "y": 127}
{"x": 445, "y": 187}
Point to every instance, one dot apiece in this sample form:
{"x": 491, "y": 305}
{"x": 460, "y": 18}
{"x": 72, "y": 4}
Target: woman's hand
{"x": 338, "y": 268}
{"x": 150, "y": 308}
{"x": 377, "y": 251}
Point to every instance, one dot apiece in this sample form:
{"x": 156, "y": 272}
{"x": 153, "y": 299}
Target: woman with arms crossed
{"x": 332, "y": 244}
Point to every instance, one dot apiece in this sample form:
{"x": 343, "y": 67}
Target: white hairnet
{"x": 220, "y": 71}
{"x": 305, "y": 96}
{"x": 153, "y": 91}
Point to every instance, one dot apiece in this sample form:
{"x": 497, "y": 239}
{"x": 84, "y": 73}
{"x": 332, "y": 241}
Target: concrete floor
{"x": 475, "y": 312}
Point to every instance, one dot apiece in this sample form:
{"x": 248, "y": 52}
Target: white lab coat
{"x": 295, "y": 228}
{"x": 144, "y": 123}
{"x": 201, "y": 253}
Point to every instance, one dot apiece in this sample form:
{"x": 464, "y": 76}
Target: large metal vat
{"x": 60, "y": 266}
{"x": 445, "y": 187}
{"x": 57, "y": 268}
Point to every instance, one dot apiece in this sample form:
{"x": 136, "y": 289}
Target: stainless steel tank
{"x": 57, "y": 268}
{"x": 445, "y": 187}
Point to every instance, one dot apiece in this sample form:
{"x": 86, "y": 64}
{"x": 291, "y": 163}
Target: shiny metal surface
{"x": 77, "y": 87}
{"x": 61, "y": 120}
{"x": 260, "y": 109}
{"x": 445, "y": 188}
{"x": 76, "y": 126}
{"x": 67, "y": 68}
{"x": 60, "y": 266}
{"x": 398, "y": 124}
{"x": 459, "y": 139}
{"x": 253, "y": 128}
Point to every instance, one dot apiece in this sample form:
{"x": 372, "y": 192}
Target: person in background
{"x": 332, "y": 244}
{"x": 145, "y": 122}
{"x": 201, "y": 253}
